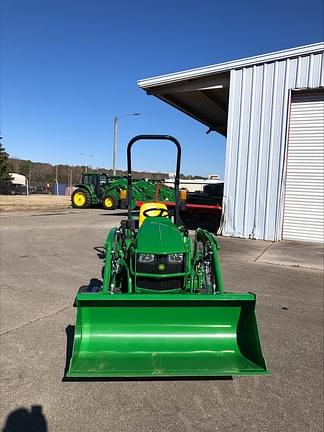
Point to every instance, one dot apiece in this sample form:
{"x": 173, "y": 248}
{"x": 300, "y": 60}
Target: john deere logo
{"x": 161, "y": 267}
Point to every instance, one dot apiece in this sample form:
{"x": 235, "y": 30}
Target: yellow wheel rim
{"x": 79, "y": 199}
{"x": 109, "y": 202}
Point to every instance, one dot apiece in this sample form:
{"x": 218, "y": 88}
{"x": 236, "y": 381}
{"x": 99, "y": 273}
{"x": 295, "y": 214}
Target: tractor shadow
{"x": 112, "y": 213}
{"x": 70, "y": 331}
{"x": 101, "y": 252}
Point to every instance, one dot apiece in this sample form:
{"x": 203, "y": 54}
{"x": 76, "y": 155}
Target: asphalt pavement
{"x": 47, "y": 256}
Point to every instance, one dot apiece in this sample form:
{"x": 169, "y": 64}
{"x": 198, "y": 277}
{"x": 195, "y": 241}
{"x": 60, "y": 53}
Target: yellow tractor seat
{"x": 152, "y": 209}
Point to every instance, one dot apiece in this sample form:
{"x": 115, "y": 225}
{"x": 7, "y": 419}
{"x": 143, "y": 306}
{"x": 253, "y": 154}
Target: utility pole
{"x": 28, "y": 183}
{"x": 69, "y": 178}
{"x": 56, "y": 181}
{"x": 115, "y": 144}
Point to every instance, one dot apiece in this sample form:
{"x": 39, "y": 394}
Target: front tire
{"x": 81, "y": 198}
{"x": 109, "y": 203}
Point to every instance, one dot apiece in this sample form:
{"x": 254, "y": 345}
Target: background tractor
{"x": 111, "y": 191}
{"x": 95, "y": 189}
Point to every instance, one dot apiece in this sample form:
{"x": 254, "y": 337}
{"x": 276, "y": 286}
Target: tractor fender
{"x": 84, "y": 186}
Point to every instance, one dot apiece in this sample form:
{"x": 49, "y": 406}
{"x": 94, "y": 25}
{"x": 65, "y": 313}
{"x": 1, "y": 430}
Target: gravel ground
{"x": 33, "y": 202}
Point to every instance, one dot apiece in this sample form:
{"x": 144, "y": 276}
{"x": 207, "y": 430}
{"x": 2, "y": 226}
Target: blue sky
{"x": 69, "y": 66}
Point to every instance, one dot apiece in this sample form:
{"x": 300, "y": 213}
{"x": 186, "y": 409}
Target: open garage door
{"x": 304, "y": 200}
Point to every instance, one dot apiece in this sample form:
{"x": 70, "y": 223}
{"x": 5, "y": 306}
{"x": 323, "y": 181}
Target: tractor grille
{"x": 154, "y": 266}
{"x": 159, "y": 284}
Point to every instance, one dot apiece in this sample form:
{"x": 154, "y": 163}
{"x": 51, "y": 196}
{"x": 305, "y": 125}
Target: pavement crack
{"x": 264, "y": 251}
{"x": 35, "y": 320}
{"x": 46, "y": 255}
{"x": 290, "y": 265}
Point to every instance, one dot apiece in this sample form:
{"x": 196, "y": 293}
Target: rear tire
{"x": 109, "y": 203}
{"x": 81, "y": 199}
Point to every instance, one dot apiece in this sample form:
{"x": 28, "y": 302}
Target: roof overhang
{"x": 203, "y": 93}
{"x": 205, "y": 99}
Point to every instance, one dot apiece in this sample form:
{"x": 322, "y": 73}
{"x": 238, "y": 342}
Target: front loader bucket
{"x": 145, "y": 335}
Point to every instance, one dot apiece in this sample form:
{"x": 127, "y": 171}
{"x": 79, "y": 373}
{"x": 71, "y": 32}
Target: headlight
{"x": 175, "y": 258}
{"x": 146, "y": 258}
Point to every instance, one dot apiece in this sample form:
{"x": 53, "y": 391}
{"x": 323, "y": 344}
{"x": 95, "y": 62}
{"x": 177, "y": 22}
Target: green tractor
{"x": 161, "y": 309}
{"x": 111, "y": 191}
{"x": 98, "y": 189}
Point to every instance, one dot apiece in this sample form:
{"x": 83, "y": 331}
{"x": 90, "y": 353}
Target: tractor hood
{"x": 158, "y": 235}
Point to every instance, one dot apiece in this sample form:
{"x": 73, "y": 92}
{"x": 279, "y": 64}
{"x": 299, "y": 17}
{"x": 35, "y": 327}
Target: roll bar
{"x": 129, "y": 170}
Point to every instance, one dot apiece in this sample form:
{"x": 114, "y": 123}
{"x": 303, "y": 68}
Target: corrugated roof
{"x": 235, "y": 64}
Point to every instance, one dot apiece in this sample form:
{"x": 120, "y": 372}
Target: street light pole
{"x": 115, "y": 144}
{"x": 116, "y": 137}
{"x": 69, "y": 179}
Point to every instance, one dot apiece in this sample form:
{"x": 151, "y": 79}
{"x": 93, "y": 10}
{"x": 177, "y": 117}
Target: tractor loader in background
{"x": 111, "y": 191}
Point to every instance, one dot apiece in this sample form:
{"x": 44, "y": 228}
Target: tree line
{"x": 41, "y": 173}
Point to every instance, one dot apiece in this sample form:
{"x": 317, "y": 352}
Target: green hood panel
{"x": 158, "y": 235}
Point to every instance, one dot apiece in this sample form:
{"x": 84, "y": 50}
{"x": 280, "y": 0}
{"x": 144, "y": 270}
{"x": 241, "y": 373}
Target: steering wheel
{"x": 162, "y": 212}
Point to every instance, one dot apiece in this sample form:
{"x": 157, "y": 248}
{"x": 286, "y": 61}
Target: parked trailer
{"x": 199, "y": 208}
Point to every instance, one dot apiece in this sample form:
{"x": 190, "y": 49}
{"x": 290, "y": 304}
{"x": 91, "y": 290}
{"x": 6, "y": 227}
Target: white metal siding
{"x": 256, "y": 142}
{"x": 304, "y": 194}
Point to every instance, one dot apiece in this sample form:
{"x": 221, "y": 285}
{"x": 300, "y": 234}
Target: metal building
{"x": 271, "y": 110}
